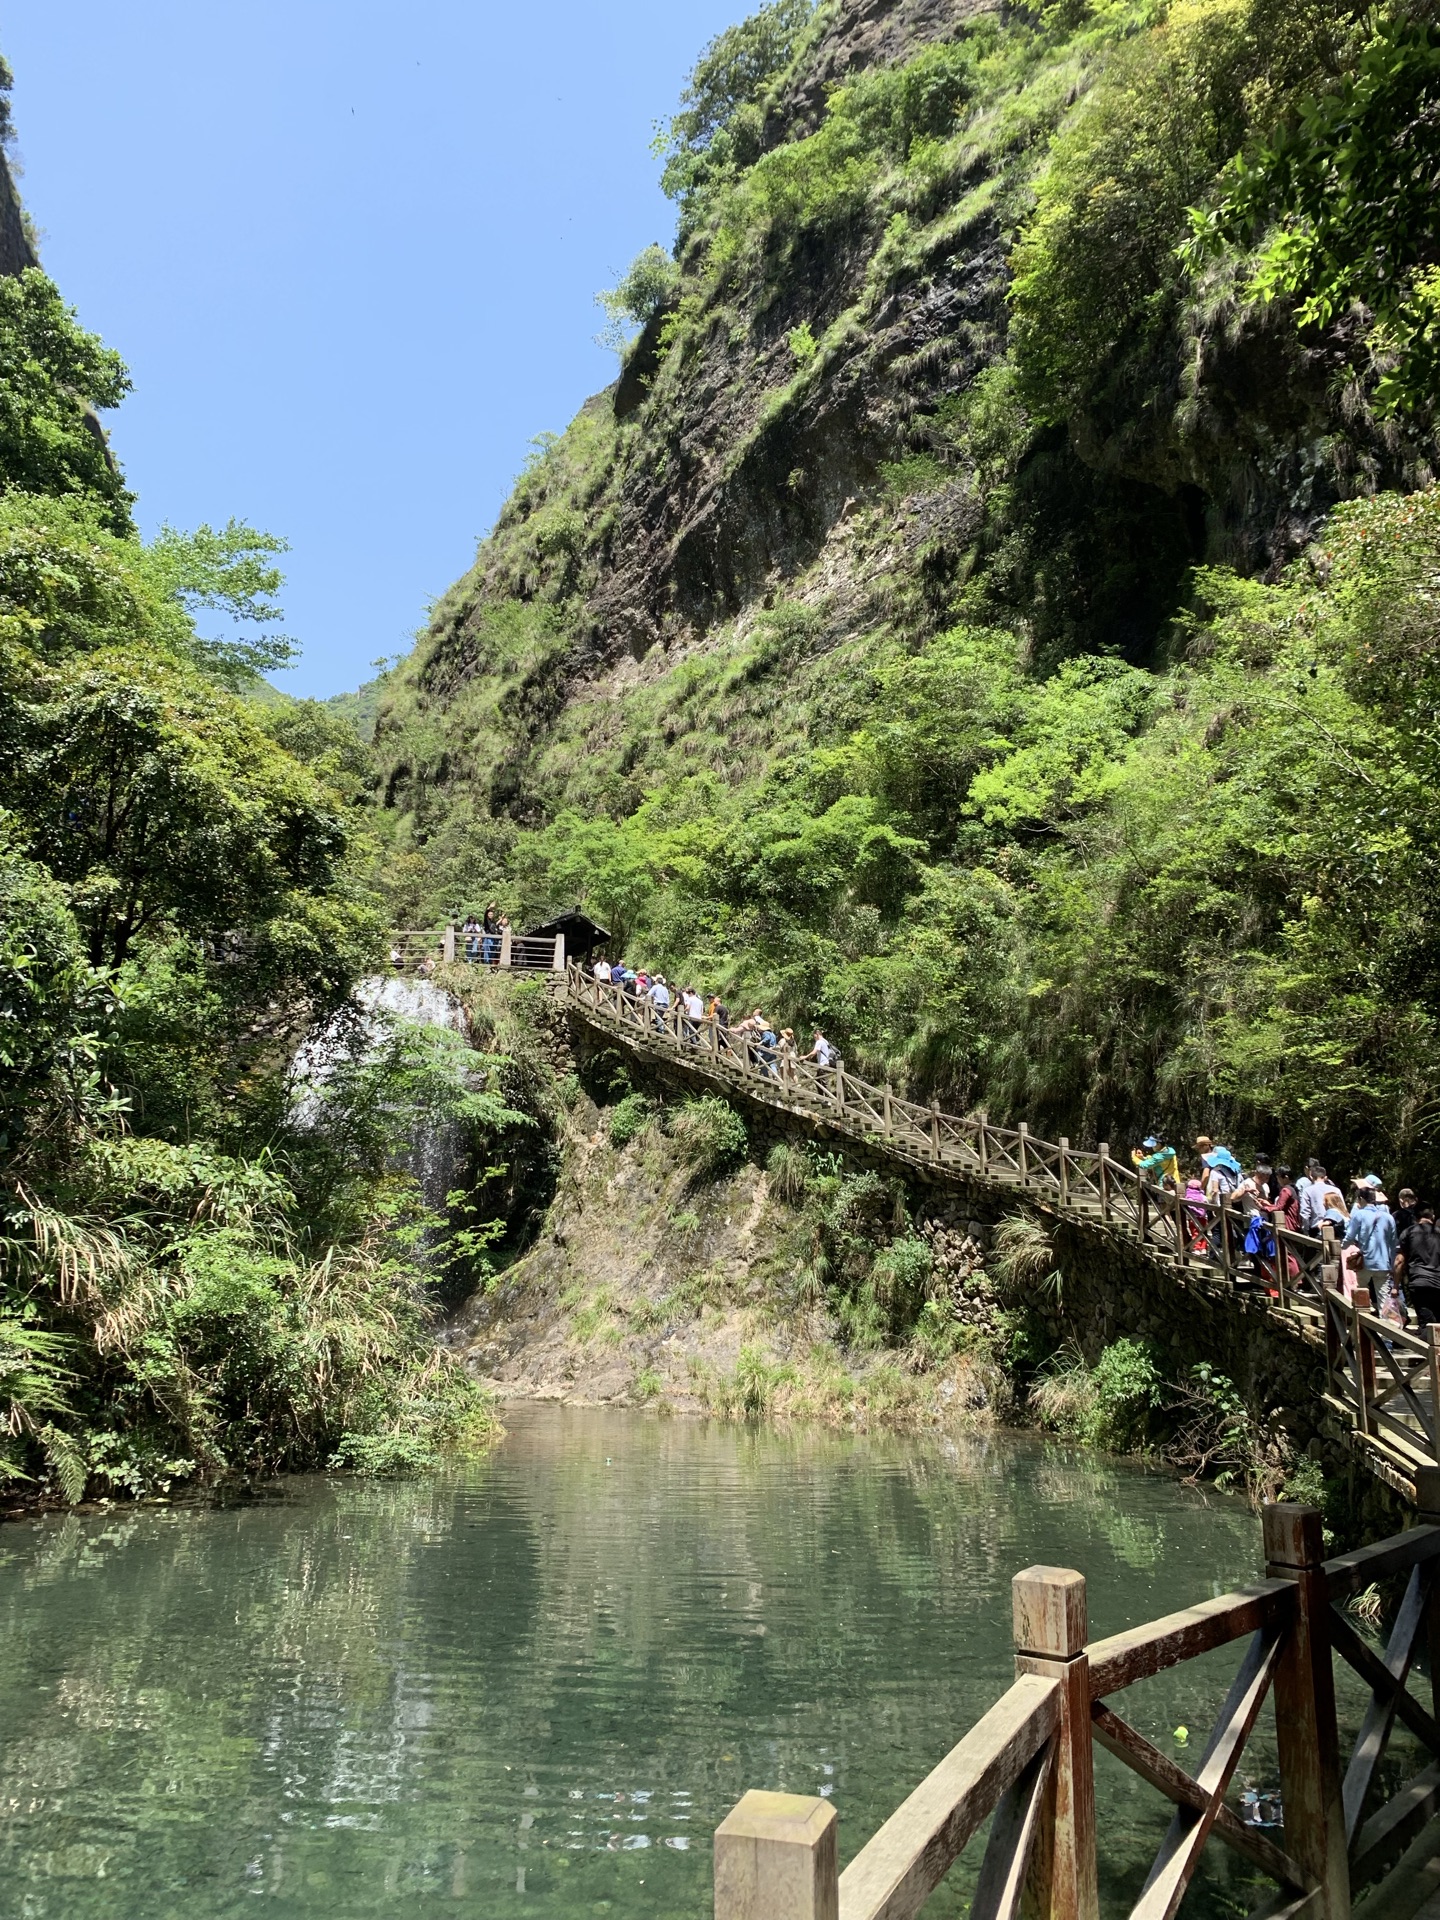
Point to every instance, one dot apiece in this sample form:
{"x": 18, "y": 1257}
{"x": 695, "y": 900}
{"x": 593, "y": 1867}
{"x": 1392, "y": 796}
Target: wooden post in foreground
{"x": 1064, "y": 1171}
{"x": 505, "y": 946}
{"x": 447, "y": 950}
{"x": 1050, "y": 1633}
{"x": 776, "y": 1859}
{"x": 1104, "y": 1179}
{"x": 1305, "y": 1726}
{"x": 1427, "y": 1511}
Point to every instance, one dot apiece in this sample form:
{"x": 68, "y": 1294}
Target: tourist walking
{"x": 1417, "y": 1265}
{"x": 1222, "y": 1176}
{"x": 471, "y": 931}
{"x": 1311, "y": 1188}
{"x": 659, "y": 998}
{"x": 1406, "y": 1212}
{"x": 1371, "y": 1231}
{"x": 490, "y": 935}
{"x": 694, "y": 1010}
{"x": 603, "y": 971}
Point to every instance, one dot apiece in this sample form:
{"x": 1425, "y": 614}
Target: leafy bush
{"x": 645, "y": 292}
{"x": 708, "y": 1136}
{"x": 628, "y": 1117}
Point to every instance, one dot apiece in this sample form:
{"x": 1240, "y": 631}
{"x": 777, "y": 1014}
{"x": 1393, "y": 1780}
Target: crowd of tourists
{"x": 698, "y": 1017}
{"x": 1392, "y": 1250}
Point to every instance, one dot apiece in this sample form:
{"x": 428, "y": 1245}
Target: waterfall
{"x": 435, "y": 1152}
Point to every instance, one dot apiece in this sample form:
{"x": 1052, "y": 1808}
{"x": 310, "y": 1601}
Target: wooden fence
{"x": 415, "y": 951}
{"x": 1027, "y": 1766}
{"x": 1383, "y": 1382}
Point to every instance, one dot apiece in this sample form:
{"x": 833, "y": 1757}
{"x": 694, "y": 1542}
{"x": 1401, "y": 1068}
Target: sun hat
{"x": 1149, "y": 1141}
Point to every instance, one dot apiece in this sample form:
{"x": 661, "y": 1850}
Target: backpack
{"x": 1259, "y": 1237}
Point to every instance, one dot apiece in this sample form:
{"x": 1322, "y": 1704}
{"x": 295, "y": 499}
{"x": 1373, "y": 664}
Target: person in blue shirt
{"x": 1371, "y": 1229}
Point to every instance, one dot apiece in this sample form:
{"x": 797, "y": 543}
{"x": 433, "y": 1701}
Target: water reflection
{"x": 533, "y": 1689}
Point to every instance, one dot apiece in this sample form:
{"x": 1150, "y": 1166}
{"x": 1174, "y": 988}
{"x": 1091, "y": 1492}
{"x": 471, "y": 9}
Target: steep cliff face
{"x": 832, "y": 651}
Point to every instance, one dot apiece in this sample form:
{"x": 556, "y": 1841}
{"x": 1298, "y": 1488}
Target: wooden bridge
{"x": 1383, "y": 1381}
{"x": 1027, "y": 1766}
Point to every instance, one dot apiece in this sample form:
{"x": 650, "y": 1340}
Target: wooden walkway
{"x": 1383, "y": 1382}
{"x": 1348, "y": 1842}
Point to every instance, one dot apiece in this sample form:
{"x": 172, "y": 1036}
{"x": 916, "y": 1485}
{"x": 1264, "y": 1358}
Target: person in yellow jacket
{"x": 1162, "y": 1163}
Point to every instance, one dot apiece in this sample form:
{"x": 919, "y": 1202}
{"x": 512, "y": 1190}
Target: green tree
{"x": 53, "y": 375}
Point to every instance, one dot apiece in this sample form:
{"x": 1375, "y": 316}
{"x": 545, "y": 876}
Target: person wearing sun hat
{"x": 1371, "y": 1230}
{"x": 1162, "y": 1162}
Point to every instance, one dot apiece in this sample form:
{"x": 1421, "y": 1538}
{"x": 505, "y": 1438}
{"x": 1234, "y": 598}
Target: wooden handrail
{"x": 1027, "y": 1761}
{"x": 898, "y": 1869}
{"x": 1384, "y": 1381}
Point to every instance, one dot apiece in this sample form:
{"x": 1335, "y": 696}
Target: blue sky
{"x": 350, "y": 251}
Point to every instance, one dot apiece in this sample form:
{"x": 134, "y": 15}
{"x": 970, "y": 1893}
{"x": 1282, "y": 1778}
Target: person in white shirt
{"x": 602, "y": 969}
{"x": 1311, "y": 1188}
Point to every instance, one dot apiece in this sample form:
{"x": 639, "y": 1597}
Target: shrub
{"x": 709, "y": 1137}
{"x": 1129, "y": 1391}
{"x": 788, "y": 1170}
{"x": 630, "y": 1116}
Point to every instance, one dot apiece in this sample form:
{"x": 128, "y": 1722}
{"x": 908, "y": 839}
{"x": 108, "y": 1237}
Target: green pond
{"x": 534, "y": 1686}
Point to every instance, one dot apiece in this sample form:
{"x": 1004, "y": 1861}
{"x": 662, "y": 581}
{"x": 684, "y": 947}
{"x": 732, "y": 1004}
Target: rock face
{"x": 865, "y": 33}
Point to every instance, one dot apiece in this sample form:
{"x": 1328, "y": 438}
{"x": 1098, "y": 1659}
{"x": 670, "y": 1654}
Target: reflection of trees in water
{"x": 275, "y": 1651}
{"x": 596, "y": 1638}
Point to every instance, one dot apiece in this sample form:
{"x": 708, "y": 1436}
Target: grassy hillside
{"x": 994, "y": 608}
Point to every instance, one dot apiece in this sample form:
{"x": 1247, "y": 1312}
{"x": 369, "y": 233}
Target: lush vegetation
{"x": 200, "y": 1276}
{"x": 1089, "y": 776}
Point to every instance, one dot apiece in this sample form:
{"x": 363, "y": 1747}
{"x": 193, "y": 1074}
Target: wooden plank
{"x": 1001, "y": 1886}
{"x": 1180, "y": 1851}
{"x": 1347, "y": 1573}
{"x": 895, "y": 1873}
{"x": 1139, "y": 1652}
{"x": 1117, "y": 1736}
{"x": 1389, "y": 1683}
{"x": 1386, "y": 1834}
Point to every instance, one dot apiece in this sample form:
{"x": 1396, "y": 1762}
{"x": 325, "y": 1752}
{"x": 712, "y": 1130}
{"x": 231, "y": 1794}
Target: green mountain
{"x": 993, "y": 612}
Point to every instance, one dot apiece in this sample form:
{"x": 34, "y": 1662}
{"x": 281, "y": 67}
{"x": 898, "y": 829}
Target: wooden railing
{"x": 413, "y": 951}
{"x": 1383, "y": 1382}
{"x": 1029, "y": 1761}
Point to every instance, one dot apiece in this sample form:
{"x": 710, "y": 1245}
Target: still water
{"x": 535, "y": 1686}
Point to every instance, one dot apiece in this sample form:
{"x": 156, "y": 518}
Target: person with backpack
{"x": 1371, "y": 1231}
{"x": 1417, "y": 1265}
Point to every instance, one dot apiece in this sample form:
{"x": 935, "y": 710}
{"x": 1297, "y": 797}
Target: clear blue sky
{"x": 349, "y": 250}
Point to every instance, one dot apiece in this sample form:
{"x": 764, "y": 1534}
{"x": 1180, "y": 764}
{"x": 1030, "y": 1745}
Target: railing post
{"x": 1427, "y": 1511}
{"x": 1024, "y": 1154}
{"x": 776, "y": 1858}
{"x": 1142, "y": 1208}
{"x": 1364, "y": 1357}
{"x": 1104, "y": 1172}
{"x": 1329, "y": 1258}
{"x": 1305, "y": 1725}
{"x": 1227, "y": 1255}
{"x": 935, "y": 1130}
{"x": 982, "y": 1141}
{"x": 887, "y": 1122}
{"x": 1434, "y": 1433}
{"x": 840, "y": 1089}
{"x": 1050, "y": 1634}
{"x": 505, "y": 946}
{"x": 1182, "y": 1230}
{"x": 1064, "y": 1171}
{"x": 559, "y": 953}
{"x": 447, "y": 949}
